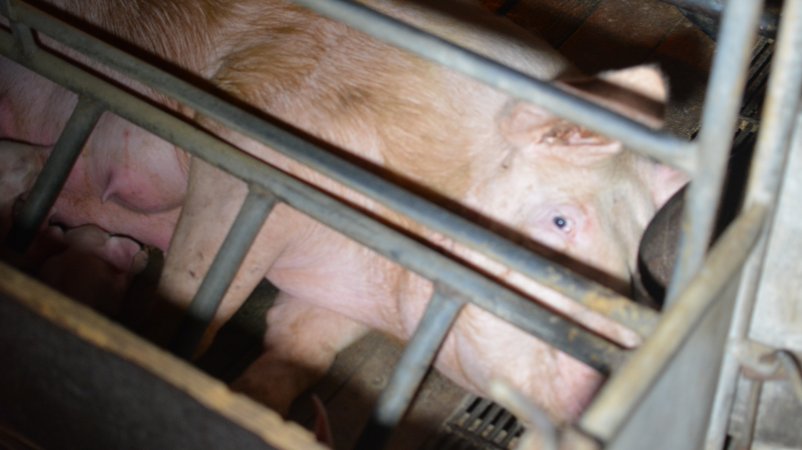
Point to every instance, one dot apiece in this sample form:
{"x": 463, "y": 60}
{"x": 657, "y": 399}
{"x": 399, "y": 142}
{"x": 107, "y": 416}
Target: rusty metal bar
{"x": 622, "y": 393}
{"x": 719, "y": 120}
{"x": 415, "y": 362}
{"x": 591, "y": 294}
{"x": 250, "y": 219}
{"x": 54, "y": 174}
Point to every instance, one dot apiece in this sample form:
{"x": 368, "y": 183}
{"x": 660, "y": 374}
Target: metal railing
{"x": 455, "y": 285}
{"x": 268, "y": 186}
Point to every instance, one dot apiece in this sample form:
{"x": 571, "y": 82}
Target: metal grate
{"x": 479, "y": 424}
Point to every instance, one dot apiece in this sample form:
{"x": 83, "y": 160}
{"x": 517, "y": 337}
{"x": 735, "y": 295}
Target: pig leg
{"x": 212, "y": 203}
{"x": 300, "y": 345}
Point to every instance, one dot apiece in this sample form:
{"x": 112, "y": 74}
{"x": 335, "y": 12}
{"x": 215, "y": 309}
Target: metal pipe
{"x": 743, "y": 441}
{"x": 54, "y": 174}
{"x": 623, "y": 393}
{"x": 719, "y": 120}
{"x": 780, "y": 117}
{"x": 249, "y": 221}
{"x": 793, "y": 372}
{"x": 592, "y": 295}
{"x": 26, "y": 45}
{"x": 415, "y": 362}
{"x": 634, "y": 135}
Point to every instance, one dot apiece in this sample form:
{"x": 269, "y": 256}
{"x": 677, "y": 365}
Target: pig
{"x": 512, "y": 164}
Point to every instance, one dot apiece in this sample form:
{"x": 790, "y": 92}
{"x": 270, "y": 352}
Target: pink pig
{"x": 511, "y": 162}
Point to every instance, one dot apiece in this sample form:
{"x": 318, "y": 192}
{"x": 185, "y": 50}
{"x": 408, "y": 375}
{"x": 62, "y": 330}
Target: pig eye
{"x": 562, "y": 223}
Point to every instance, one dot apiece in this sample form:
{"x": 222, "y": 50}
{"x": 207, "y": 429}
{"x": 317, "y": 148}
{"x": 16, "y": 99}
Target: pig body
{"x": 514, "y": 165}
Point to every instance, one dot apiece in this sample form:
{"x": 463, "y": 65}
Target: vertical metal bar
{"x": 416, "y": 360}
{"x": 23, "y": 36}
{"x": 54, "y": 174}
{"x": 744, "y": 440}
{"x": 229, "y": 258}
{"x": 723, "y": 98}
{"x": 780, "y": 114}
{"x": 542, "y": 432}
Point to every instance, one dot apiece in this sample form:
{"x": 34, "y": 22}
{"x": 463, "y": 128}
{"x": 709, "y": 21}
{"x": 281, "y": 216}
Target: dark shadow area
{"x": 58, "y": 391}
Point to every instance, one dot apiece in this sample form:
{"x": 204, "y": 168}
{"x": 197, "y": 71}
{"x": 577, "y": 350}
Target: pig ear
{"x": 534, "y": 131}
{"x": 523, "y": 124}
{"x": 639, "y": 93}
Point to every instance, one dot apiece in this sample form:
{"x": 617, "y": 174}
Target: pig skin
{"x": 515, "y": 166}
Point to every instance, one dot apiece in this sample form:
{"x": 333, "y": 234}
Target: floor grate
{"x": 478, "y": 424}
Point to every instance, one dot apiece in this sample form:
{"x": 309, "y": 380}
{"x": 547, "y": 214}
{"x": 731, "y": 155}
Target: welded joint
{"x": 763, "y": 363}
{"x": 7, "y": 8}
{"x": 760, "y": 363}
{"x": 24, "y": 42}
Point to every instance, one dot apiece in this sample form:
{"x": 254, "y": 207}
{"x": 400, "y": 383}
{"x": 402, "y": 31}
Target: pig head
{"x": 516, "y": 167}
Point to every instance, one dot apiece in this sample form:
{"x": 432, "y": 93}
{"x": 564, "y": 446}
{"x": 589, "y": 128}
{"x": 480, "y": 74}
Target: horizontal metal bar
{"x": 229, "y": 258}
{"x": 408, "y": 374}
{"x": 665, "y": 147}
{"x": 719, "y": 120}
{"x": 622, "y": 393}
{"x": 54, "y": 175}
{"x": 590, "y": 294}
{"x": 489, "y": 295}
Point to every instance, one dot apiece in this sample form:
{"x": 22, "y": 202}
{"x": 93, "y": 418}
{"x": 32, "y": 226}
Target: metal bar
{"x": 54, "y": 174}
{"x": 634, "y": 135}
{"x": 793, "y": 372}
{"x": 622, "y": 394}
{"x": 713, "y": 9}
{"x": 592, "y": 295}
{"x": 542, "y": 432}
{"x": 744, "y": 441}
{"x": 719, "y": 119}
{"x": 229, "y": 258}
{"x": 415, "y": 362}
{"x": 780, "y": 114}
{"x": 707, "y": 7}
{"x": 26, "y": 45}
